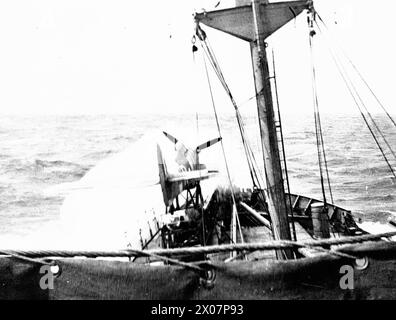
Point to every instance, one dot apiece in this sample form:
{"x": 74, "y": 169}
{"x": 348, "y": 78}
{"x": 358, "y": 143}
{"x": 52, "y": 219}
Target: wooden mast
{"x": 269, "y": 140}
{"x": 254, "y": 21}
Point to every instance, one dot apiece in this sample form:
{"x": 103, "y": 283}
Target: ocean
{"x": 39, "y": 153}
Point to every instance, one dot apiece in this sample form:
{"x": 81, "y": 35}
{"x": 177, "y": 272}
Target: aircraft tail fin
{"x": 207, "y": 144}
{"x": 170, "y": 137}
{"x": 163, "y": 174}
{"x": 202, "y": 146}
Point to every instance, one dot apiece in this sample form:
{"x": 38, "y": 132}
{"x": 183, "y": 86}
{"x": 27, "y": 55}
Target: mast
{"x": 254, "y": 21}
{"x": 269, "y": 140}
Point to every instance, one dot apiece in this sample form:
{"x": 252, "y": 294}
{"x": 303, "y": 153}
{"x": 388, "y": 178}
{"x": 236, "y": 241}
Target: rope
{"x": 364, "y": 106}
{"x": 27, "y": 259}
{"x": 244, "y": 102}
{"x": 252, "y": 163}
{"x": 269, "y": 245}
{"x": 372, "y": 92}
{"x": 235, "y": 212}
{"x": 251, "y": 160}
{"x": 366, "y": 121}
{"x": 318, "y": 126}
{"x": 290, "y": 206}
{"x": 361, "y": 77}
{"x": 216, "y": 67}
{"x": 176, "y": 262}
{"x": 335, "y": 253}
{"x": 352, "y": 90}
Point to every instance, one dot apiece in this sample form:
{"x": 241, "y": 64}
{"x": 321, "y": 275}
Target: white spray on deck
{"x": 117, "y": 202}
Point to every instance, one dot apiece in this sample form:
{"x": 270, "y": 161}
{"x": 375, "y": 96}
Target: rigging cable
{"x": 219, "y": 74}
{"x": 363, "y": 104}
{"x": 252, "y": 163}
{"x": 372, "y": 92}
{"x": 361, "y": 77}
{"x": 235, "y": 212}
{"x": 249, "y": 153}
{"x": 355, "y": 95}
{"x": 289, "y": 206}
{"x": 318, "y": 126}
{"x": 351, "y": 90}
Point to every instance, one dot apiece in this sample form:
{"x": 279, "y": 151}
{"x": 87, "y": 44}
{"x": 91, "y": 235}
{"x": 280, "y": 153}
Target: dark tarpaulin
{"x": 310, "y": 278}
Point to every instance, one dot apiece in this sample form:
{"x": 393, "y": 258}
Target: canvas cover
{"x": 310, "y": 278}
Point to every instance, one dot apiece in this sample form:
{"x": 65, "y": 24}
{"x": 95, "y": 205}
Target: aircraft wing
{"x": 191, "y": 175}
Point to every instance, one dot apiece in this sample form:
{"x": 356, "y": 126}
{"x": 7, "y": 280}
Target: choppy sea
{"x": 40, "y": 152}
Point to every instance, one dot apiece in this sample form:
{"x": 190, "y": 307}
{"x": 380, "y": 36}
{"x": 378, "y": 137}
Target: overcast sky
{"x": 101, "y": 56}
